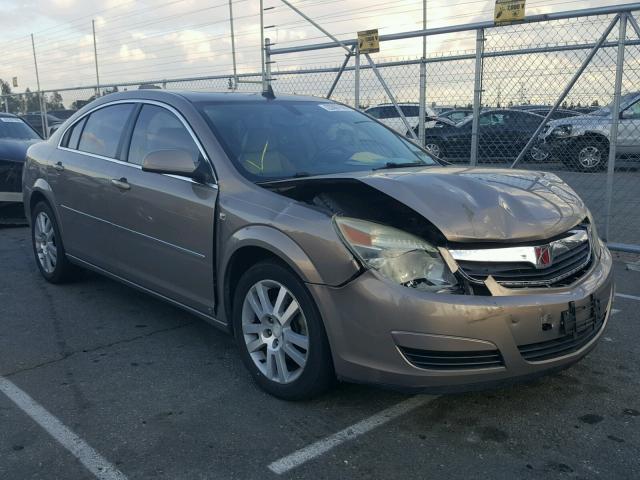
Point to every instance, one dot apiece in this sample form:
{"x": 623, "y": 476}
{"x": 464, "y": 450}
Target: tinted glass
{"x": 159, "y": 129}
{"x": 275, "y": 140}
{"x": 388, "y": 112}
{"x": 633, "y": 112}
{"x": 14, "y": 128}
{"x": 374, "y": 112}
{"x": 411, "y": 110}
{"x": 72, "y": 135}
{"x": 103, "y": 129}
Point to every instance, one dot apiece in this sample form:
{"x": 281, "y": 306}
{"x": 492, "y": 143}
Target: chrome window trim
{"x": 177, "y": 247}
{"x": 516, "y": 254}
{"x": 144, "y": 102}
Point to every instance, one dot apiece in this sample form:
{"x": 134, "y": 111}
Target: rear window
{"x": 15, "y": 128}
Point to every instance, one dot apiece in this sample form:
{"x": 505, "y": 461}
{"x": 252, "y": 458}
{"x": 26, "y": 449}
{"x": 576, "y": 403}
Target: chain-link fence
{"x": 557, "y": 93}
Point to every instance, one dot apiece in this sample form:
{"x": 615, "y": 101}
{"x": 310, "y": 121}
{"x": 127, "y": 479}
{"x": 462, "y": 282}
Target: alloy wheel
{"x": 275, "y": 331}
{"x": 45, "y": 241}
{"x": 538, "y": 154}
{"x": 433, "y": 148}
{"x": 590, "y": 157}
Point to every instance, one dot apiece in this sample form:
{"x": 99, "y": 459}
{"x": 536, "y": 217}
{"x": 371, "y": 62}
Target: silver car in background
{"x": 327, "y": 244}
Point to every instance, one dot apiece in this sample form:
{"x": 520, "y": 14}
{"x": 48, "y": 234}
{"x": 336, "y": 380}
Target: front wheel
{"x": 280, "y": 334}
{"x": 589, "y": 155}
{"x": 434, "y": 148}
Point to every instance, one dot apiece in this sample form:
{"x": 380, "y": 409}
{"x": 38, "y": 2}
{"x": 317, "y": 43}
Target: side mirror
{"x": 173, "y": 162}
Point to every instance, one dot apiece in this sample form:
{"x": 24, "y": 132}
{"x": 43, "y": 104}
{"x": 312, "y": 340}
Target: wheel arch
{"x": 252, "y": 245}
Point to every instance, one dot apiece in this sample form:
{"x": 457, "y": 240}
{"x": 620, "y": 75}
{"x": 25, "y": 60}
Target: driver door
{"x": 629, "y": 130}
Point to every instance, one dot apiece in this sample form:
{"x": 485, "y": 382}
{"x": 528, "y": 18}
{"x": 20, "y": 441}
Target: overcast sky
{"x": 139, "y": 40}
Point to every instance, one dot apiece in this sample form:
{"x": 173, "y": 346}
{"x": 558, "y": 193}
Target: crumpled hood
{"x": 12, "y": 150}
{"x": 478, "y": 205}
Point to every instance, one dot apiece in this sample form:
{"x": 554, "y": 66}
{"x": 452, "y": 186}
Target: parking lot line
{"x": 321, "y": 447}
{"x": 630, "y": 297}
{"x": 92, "y": 460}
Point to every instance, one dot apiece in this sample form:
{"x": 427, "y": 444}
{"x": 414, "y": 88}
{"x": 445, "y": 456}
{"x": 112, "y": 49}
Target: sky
{"x": 147, "y": 40}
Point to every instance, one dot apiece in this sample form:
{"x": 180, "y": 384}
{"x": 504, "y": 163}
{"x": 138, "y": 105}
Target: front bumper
{"x": 372, "y": 324}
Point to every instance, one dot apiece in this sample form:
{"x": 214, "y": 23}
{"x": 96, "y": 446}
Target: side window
{"x": 103, "y": 130}
{"x": 72, "y": 135}
{"x": 633, "y": 112}
{"x": 411, "y": 110}
{"x": 388, "y": 112}
{"x": 159, "y": 129}
{"x": 374, "y": 112}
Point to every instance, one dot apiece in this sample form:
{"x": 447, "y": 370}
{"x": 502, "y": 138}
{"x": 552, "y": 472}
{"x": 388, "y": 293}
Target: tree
{"x": 12, "y": 101}
{"x": 54, "y": 102}
{"x": 595, "y": 103}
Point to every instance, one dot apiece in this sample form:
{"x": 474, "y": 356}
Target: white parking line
{"x": 323, "y": 446}
{"x": 92, "y": 460}
{"x": 630, "y": 297}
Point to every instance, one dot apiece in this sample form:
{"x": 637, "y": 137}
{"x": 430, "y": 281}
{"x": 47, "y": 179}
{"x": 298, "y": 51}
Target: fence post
{"x": 423, "y": 78}
{"x": 477, "y": 96}
{"x": 615, "y": 115}
{"x": 95, "y": 57}
{"x": 267, "y": 62}
{"x": 6, "y": 104}
{"x": 340, "y": 72}
{"x": 357, "y": 78}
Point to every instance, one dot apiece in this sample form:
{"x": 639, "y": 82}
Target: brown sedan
{"x": 330, "y": 246}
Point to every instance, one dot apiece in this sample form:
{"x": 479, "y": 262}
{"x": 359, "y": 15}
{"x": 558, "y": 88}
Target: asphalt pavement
{"x": 110, "y": 383}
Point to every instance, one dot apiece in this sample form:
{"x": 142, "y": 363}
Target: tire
{"x": 434, "y": 147}
{"x": 47, "y": 245}
{"x": 537, "y": 154}
{"x": 589, "y": 155}
{"x": 276, "y": 338}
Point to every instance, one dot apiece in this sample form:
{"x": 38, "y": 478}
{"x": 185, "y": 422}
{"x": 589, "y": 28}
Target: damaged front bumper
{"x": 396, "y": 336}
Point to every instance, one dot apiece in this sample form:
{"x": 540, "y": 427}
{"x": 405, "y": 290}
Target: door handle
{"x": 59, "y": 167}
{"x": 121, "y": 183}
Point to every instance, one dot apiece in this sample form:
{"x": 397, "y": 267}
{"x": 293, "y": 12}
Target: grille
{"x": 566, "y": 269}
{"x": 581, "y": 333}
{"x": 447, "y": 360}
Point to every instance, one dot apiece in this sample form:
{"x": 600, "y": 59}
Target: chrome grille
{"x": 558, "y": 263}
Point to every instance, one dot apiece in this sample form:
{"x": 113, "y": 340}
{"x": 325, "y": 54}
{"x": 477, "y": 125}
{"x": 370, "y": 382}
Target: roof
{"x": 3, "y": 114}
{"x": 213, "y": 96}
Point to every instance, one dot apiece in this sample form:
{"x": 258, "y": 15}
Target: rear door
{"x": 164, "y": 237}
{"x": 83, "y": 166}
{"x": 629, "y": 130}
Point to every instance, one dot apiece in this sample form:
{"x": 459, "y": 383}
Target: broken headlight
{"x": 399, "y": 256}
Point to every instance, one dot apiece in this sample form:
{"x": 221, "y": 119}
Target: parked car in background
{"x": 35, "y": 120}
{"x": 62, "y": 114}
{"x": 327, "y": 244}
{"x": 16, "y": 136}
{"x": 387, "y": 114}
{"x": 582, "y": 142}
{"x": 503, "y": 133}
{"x": 456, "y": 116}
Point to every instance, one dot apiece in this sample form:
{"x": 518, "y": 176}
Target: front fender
{"x": 277, "y": 243}
{"x": 41, "y": 187}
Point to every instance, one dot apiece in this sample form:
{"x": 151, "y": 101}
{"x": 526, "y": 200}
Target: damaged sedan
{"x": 330, "y": 246}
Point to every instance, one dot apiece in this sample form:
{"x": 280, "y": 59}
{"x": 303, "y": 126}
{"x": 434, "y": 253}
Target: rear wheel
{"x": 47, "y": 246}
{"x": 280, "y": 333}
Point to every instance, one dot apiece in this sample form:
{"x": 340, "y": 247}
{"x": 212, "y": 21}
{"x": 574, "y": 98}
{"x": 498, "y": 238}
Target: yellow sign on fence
{"x": 369, "y": 41}
{"x": 509, "y": 11}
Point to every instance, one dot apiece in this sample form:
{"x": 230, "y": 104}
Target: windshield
{"x": 279, "y": 140}
{"x": 14, "y": 128}
{"x": 624, "y": 100}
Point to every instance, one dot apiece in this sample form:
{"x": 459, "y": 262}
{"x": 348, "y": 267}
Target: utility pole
{"x": 233, "y": 46}
{"x": 423, "y": 78}
{"x": 43, "y": 104}
{"x": 95, "y": 57}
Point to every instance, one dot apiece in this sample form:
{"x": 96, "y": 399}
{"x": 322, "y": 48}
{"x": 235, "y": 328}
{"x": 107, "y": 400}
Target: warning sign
{"x": 509, "y": 11}
{"x": 369, "y": 41}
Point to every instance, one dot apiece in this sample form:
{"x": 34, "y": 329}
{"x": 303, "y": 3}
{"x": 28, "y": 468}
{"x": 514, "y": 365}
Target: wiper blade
{"x": 390, "y": 165}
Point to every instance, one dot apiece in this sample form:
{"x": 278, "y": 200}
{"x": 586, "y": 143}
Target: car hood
{"x": 478, "y": 205}
{"x": 582, "y": 120}
{"x": 15, "y": 150}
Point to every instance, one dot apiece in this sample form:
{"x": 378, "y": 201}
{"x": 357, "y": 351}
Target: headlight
{"x": 594, "y": 238}
{"x": 399, "y": 256}
{"x": 561, "y": 131}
